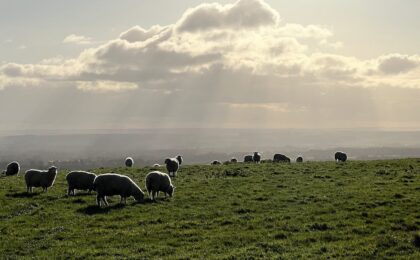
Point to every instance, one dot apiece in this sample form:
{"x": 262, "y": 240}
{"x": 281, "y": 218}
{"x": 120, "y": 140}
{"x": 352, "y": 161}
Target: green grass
{"x": 355, "y": 210}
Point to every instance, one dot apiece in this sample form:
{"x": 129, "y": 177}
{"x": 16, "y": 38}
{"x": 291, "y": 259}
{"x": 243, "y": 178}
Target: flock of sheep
{"x": 110, "y": 184}
{"x": 277, "y": 158}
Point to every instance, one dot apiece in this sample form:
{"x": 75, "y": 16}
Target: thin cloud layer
{"x": 77, "y": 39}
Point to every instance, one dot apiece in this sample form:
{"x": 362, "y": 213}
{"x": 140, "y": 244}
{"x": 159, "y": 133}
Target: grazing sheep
{"x": 159, "y": 181}
{"x": 180, "y": 159}
{"x": 257, "y": 157}
{"x": 80, "y": 180}
{"x": 172, "y": 165}
{"x": 39, "y": 178}
{"x": 248, "y": 158}
{"x": 281, "y": 158}
{"x": 299, "y": 159}
{"x": 340, "y": 156}
{"x": 110, "y": 184}
{"x": 156, "y": 165}
{"x": 233, "y": 160}
{"x": 216, "y": 162}
{"x": 129, "y": 162}
{"x": 12, "y": 168}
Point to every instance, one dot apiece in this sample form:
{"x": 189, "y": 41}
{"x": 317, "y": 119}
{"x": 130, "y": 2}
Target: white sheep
{"x": 80, "y": 180}
{"x": 180, "y": 159}
{"x": 129, "y": 162}
{"x": 159, "y": 181}
{"x": 257, "y": 157}
{"x": 216, "y": 162}
{"x": 172, "y": 165}
{"x": 12, "y": 168}
{"x": 110, "y": 184}
{"x": 248, "y": 158}
{"x": 39, "y": 178}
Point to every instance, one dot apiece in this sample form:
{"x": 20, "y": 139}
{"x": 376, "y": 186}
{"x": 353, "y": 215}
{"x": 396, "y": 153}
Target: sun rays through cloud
{"x": 239, "y": 64}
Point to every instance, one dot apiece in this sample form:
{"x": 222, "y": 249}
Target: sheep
{"x": 39, "y": 178}
{"x": 157, "y": 181}
{"x": 257, "y": 157}
{"x": 156, "y": 165}
{"x": 129, "y": 162}
{"x": 248, "y": 158}
{"x": 172, "y": 165}
{"x": 80, "y": 180}
{"x": 180, "y": 159}
{"x": 12, "y": 168}
{"x": 340, "y": 156}
{"x": 110, "y": 184}
{"x": 216, "y": 162}
{"x": 299, "y": 159}
{"x": 281, "y": 158}
{"x": 233, "y": 160}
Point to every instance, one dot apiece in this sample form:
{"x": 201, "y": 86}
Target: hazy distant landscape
{"x": 108, "y": 148}
{"x": 132, "y": 99}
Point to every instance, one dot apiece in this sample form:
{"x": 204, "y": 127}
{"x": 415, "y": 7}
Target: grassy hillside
{"x": 310, "y": 210}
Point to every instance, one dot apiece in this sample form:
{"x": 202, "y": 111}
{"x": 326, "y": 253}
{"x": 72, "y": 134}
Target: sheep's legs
{"x": 28, "y": 189}
{"x": 105, "y": 201}
{"x": 98, "y": 200}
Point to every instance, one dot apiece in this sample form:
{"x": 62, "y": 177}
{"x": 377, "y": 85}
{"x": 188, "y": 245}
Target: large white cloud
{"x": 244, "y": 14}
{"x": 244, "y": 35}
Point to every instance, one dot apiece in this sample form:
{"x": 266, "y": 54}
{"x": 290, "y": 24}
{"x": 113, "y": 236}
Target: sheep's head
{"x": 171, "y": 190}
{"x": 129, "y": 162}
{"x": 179, "y": 159}
{"x": 52, "y": 169}
{"x": 139, "y": 196}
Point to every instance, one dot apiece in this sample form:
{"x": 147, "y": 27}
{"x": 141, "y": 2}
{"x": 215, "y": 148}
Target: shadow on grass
{"x": 94, "y": 209}
{"x": 81, "y": 194}
{"x": 22, "y": 195}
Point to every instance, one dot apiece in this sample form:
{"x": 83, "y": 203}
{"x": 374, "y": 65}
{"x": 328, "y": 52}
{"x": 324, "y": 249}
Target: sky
{"x": 209, "y": 64}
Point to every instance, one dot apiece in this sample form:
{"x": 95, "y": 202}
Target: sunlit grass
{"x": 310, "y": 210}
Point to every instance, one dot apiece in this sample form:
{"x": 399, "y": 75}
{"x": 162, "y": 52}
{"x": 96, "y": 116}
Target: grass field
{"x": 361, "y": 209}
